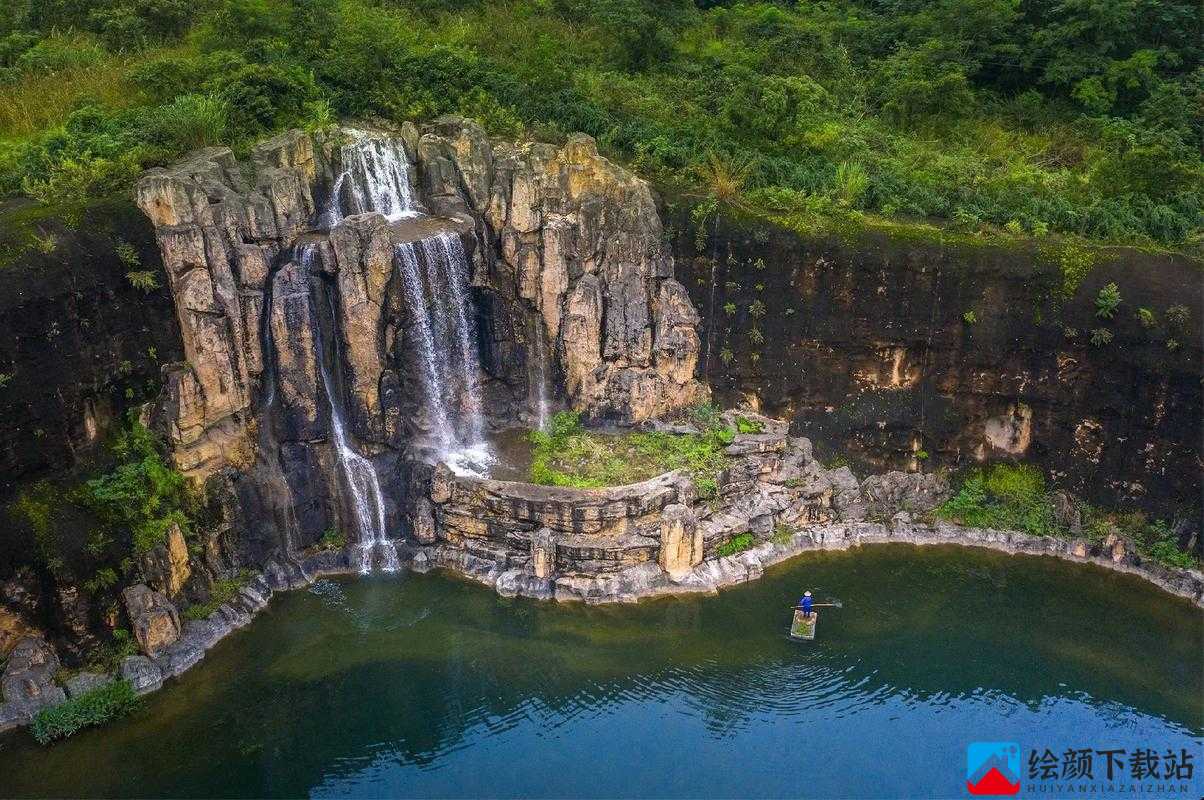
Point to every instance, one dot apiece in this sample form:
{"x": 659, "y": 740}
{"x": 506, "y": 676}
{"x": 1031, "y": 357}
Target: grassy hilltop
{"x": 1021, "y": 117}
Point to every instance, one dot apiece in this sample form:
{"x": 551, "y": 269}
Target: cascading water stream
{"x": 431, "y": 359}
{"x": 434, "y": 278}
{"x": 359, "y": 476}
{"x": 447, "y": 264}
{"x": 376, "y": 176}
{"x": 540, "y": 379}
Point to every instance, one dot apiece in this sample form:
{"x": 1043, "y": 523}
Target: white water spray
{"x": 376, "y": 177}
{"x": 447, "y": 264}
{"x": 434, "y": 274}
{"x": 359, "y": 476}
{"x": 540, "y": 381}
{"x": 430, "y": 358}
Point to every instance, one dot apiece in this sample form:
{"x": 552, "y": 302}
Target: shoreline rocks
{"x": 30, "y": 673}
{"x": 646, "y": 581}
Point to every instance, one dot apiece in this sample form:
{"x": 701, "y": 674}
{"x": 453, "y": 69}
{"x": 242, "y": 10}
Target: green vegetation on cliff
{"x": 91, "y": 529}
{"x": 1016, "y": 497}
{"x": 95, "y": 707}
{"x": 568, "y": 455}
{"x": 141, "y": 498}
{"x": 1075, "y": 117}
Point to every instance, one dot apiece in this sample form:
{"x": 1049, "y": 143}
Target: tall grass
{"x": 193, "y": 120}
{"x": 38, "y": 101}
{"x": 91, "y": 708}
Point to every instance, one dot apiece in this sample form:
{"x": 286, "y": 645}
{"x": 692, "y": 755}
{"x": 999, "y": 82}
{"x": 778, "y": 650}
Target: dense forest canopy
{"x": 1037, "y": 116}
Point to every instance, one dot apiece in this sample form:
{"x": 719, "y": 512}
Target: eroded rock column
{"x": 681, "y": 541}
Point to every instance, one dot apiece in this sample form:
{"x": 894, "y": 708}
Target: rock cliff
{"x": 411, "y": 288}
{"x": 906, "y": 354}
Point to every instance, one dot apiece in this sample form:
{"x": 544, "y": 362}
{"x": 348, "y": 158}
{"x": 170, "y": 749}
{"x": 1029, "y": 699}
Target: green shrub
{"x": 36, "y": 509}
{"x": 1022, "y": 483}
{"x": 1153, "y": 539}
{"x": 1009, "y": 497}
{"x": 1167, "y": 552}
{"x": 59, "y": 52}
{"x": 260, "y": 98}
{"x": 332, "y": 539}
{"x": 736, "y": 544}
{"x": 746, "y": 425}
{"x": 108, "y": 656}
{"x": 705, "y": 416}
{"x": 851, "y": 183}
{"x": 1107, "y": 300}
{"x": 1177, "y": 316}
{"x": 92, "y": 708}
{"x": 132, "y": 24}
{"x": 143, "y": 279}
{"x": 782, "y": 535}
{"x": 142, "y": 497}
{"x": 189, "y": 122}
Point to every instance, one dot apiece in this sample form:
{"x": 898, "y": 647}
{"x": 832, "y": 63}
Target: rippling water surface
{"x": 431, "y": 686}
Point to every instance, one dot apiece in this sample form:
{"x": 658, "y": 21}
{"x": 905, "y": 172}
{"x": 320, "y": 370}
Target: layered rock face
{"x": 81, "y": 344}
{"x": 579, "y": 242}
{"x": 657, "y": 536}
{"x": 350, "y": 295}
{"x": 870, "y": 348}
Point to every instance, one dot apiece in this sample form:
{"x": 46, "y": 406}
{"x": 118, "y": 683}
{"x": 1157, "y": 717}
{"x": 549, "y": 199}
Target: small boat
{"x": 802, "y": 627}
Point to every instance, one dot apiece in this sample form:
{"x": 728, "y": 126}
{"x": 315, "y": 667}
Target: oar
{"x": 836, "y": 604}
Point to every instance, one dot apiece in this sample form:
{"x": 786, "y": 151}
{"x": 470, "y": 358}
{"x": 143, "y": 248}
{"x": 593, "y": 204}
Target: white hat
{"x": 806, "y": 594}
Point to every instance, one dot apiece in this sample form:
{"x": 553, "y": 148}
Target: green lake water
{"x": 426, "y": 685}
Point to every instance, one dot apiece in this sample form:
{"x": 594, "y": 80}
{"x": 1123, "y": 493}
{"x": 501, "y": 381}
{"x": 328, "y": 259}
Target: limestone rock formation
{"x": 543, "y": 554}
{"x": 84, "y": 682}
{"x": 166, "y": 566}
{"x": 681, "y": 541}
{"x": 912, "y": 492}
{"x": 353, "y": 297}
{"x": 561, "y": 235}
{"x": 13, "y": 628}
{"x": 153, "y": 619}
{"x": 28, "y": 679}
{"x": 142, "y": 674}
{"x": 581, "y": 244}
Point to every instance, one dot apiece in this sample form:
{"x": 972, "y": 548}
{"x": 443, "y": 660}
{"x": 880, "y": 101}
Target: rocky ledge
{"x": 615, "y": 545}
{"x": 649, "y": 580}
{"x": 773, "y": 500}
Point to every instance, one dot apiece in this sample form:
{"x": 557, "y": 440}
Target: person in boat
{"x": 805, "y": 605}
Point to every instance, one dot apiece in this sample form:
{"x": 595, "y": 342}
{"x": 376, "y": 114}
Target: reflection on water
{"x": 429, "y": 686}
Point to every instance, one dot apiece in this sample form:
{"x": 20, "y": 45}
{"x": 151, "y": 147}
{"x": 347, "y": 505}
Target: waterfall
{"x": 431, "y": 359}
{"x": 444, "y": 250}
{"x": 434, "y": 274}
{"x": 359, "y": 476}
{"x": 376, "y": 177}
{"x": 435, "y": 277}
{"x": 540, "y": 380}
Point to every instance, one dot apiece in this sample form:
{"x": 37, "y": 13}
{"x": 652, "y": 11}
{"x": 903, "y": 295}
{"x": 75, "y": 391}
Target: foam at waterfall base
{"x": 471, "y": 461}
{"x": 389, "y": 560}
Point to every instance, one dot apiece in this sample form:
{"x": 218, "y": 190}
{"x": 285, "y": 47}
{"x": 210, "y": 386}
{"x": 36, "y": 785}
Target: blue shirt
{"x": 806, "y": 603}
